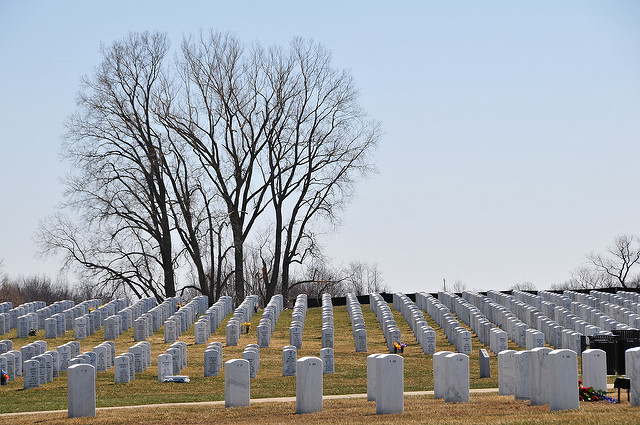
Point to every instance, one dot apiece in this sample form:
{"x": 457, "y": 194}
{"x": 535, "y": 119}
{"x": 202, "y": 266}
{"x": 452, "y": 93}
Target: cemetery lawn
{"x": 349, "y": 377}
{"x": 482, "y": 409}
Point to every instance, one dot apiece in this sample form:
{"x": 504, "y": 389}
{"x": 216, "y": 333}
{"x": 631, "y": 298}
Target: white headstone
{"x": 170, "y": 332}
{"x": 121, "y": 370}
{"x": 31, "y": 372}
{"x": 80, "y": 328}
{"x": 309, "y": 385}
{"x": 289, "y": 358}
{"x": 371, "y": 377}
{"x": 632, "y": 370}
{"x": 326, "y": 354}
{"x": 165, "y": 366}
{"x": 507, "y": 372}
{"x": 439, "y": 374}
{"x": 101, "y": 360}
{"x": 594, "y": 369}
{"x": 564, "y": 376}
{"x": 138, "y": 354}
{"x": 360, "y": 339}
{"x": 237, "y": 383}
{"x": 389, "y": 384}
{"x": 211, "y": 362}
{"x": 523, "y": 377}
{"x": 250, "y": 356}
{"x": 81, "y": 391}
{"x": 457, "y": 377}
{"x": 539, "y": 375}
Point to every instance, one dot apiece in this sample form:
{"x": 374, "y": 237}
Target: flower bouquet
{"x": 589, "y": 394}
{"x": 245, "y": 327}
{"x": 398, "y": 347}
{"x": 4, "y": 378}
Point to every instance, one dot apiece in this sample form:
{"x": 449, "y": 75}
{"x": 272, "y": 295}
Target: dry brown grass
{"x": 418, "y": 410}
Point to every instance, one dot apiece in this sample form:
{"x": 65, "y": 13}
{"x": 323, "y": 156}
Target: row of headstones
{"x": 59, "y": 317}
{"x": 136, "y": 360}
{"x": 239, "y": 322}
{"x": 10, "y": 359}
{"x": 178, "y": 319}
{"x": 150, "y": 321}
{"x": 174, "y": 359}
{"x": 210, "y": 318}
{"x": 630, "y": 300}
{"x": 213, "y": 359}
{"x": 390, "y": 330}
{"x": 623, "y": 307}
{"x": 289, "y": 358}
{"x": 563, "y": 332}
{"x": 269, "y": 319}
{"x": 546, "y": 376}
{"x": 622, "y": 312}
{"x": 475, "y": 318}
{"x": 40, "y": 366}
{"x": 327, "y": 321}
{"x": 424, "y": 334}
{"x": 581, "y": 318}
{"x": 486, "y": 313}
{"x": 356, "y": 319}
{"x": 298, "y": 316}
{"x": 455, "y": 333}
{"x": 525, "y": 306}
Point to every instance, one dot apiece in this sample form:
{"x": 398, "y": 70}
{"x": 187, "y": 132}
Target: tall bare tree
{"x": 321, "y": 150}
{"x": 620, "y": 259}
{"x": 118, "y": 187}
{"x": 176, "y": 164}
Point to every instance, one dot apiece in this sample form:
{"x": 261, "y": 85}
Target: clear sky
{"x": 512, "y": 128}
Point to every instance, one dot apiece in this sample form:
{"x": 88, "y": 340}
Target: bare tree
{"x": 363, "y": 278}
{"x": 317, "y": 156}
{"x": 177, "y": 164}
{"x": 523, "y": 286}
{"x": 118, "y": 186}
{"x": 619, "y": 260}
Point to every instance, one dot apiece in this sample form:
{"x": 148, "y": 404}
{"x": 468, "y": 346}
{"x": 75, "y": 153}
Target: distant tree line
{"x": 213, "y": 172}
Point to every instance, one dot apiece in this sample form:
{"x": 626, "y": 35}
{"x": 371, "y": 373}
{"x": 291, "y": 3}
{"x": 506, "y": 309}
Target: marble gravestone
{"x": 289, "y": 358}
{"x": 485, "y": 365}
{"x": 237, "y": 383}
{"x": 309, "y": 385}
{"x": 457, "y": 377}
{"x": 165, "y": 366}
{"x": 439, "y": 374}
{"x": 121, "y": 370}
{"x": 211, "y": 362}
{"x": 632, "y": 366}
{"x": 389, "y": 382}
{"x": 371, "y": 376}
{"x": 539, "y": 376}
{"x": 360, "y": 339}
{"x": 81, "y": 391}
{"x": 326, "y": 354}
{"x": 31, "y": 372}
{"x": 170, "y": 332}
{"x": 563, "y": 364}
{"x": 507, "y": 372}
{"x": 523, "y": 380}
{"x": 594, "y": 369}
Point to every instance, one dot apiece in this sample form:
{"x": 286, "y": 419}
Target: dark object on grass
{"x": 622, "y": 383}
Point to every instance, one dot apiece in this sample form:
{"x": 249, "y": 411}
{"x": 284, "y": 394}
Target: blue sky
{"x": 512, "y": 129}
